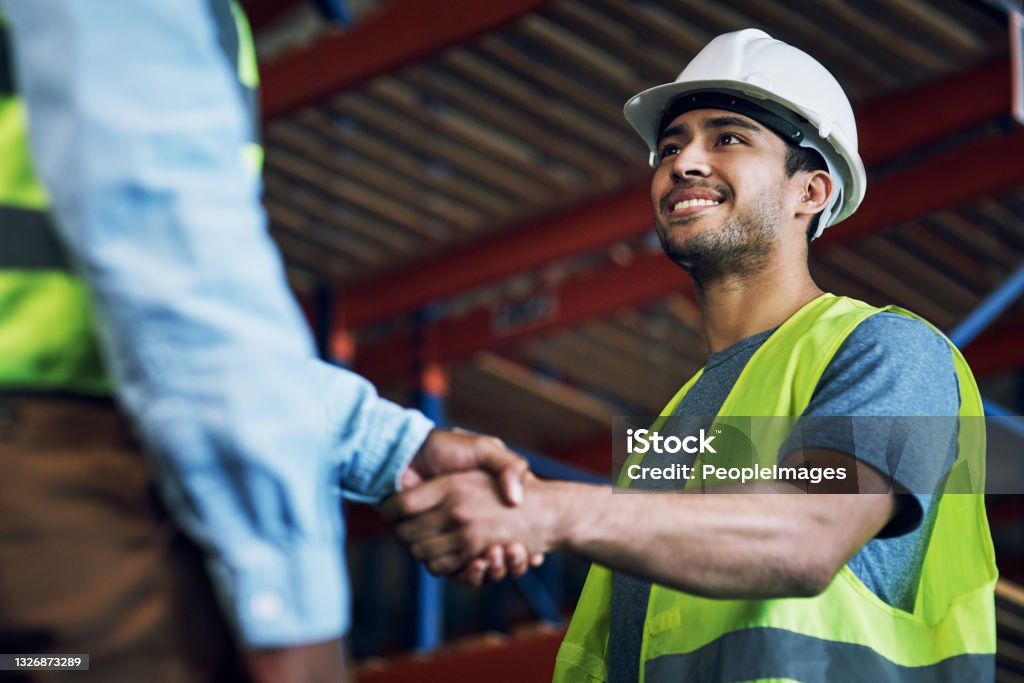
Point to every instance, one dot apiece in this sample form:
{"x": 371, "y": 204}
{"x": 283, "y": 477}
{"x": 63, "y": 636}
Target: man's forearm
{"x": 722, "y": 545}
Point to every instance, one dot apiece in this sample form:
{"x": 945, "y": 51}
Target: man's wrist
{"x": 560, "y": 518}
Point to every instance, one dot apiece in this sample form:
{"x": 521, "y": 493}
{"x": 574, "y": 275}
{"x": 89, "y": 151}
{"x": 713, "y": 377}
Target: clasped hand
{"x": 465, "y": 511}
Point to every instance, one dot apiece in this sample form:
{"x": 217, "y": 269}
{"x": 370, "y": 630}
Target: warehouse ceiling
{"x": 482, "y": 203}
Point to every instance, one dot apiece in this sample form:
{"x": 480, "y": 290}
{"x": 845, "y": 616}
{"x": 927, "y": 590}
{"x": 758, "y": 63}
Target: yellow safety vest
{"x": 846, "y": 633}
{"x": 47, "y": 336}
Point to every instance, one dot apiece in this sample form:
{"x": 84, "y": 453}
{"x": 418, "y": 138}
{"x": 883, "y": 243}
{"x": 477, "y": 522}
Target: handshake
{"x": 463, "y": 510}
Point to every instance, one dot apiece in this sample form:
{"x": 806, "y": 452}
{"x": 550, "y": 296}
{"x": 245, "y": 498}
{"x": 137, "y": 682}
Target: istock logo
{"x": 656, "y": 443}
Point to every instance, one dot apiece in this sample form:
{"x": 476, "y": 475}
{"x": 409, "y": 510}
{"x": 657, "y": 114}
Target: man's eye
{"x": 730, "y": 139}
{"x": 667, "y": 151}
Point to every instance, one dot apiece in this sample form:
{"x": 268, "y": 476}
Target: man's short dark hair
{"x": 804, "y": 159}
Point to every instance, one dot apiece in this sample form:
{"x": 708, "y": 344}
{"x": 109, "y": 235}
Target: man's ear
{"x": 817, "y": 188}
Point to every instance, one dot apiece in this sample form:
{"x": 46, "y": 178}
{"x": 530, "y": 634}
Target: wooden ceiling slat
{"x": 681, "y": 39}
{"x": 565, "y": 117}
{"x": 1011, "y": 655}
{"x": 498, "y": 396}
{"x": 340, "y": 228}
{"x": 507, "y": 150}
{"x": 861, "y": 47}
{"x": 858, "y": 70}
{"x": 563, "y": 354}
{"x": 678, "y": 355}
{"x": 300, "y": 253}
{"x": 398, "y": 160}
{"x": 1010, "y": 622}
{"x": 648, "y": 360}
{"x": 555, "y": 81}
{"x": 940, "y": 252}
{"x": 986, "y": 21}
{"x": 299, "y": 226}
{"x": 883, "y": 38}
{"x": 479, "y": 103}
{"x": 986, "y": 245}
{"x": 653, "y": 63}
{"x": 436, "y": 204}
{"x": 926, "y": 19}
{"x": 573, "y": 400}
{"x": 686, "y": 311}
{"x": 422, "y": 136}
{"x": 589, "y": 349}
{"x": 896, "y": 288}
{"x": 337, "y": 242}
{"x": 334, "y": 224}
{"x": 629, "y": 345}
{"x": 604, "y": 66}
{"x": 300, "y": 139}
{"x": 1008, "y": 223}
{"x": 348, "y": 191}
{"x": 832, "y": 280}
{"x": 686, "y": 354}
{"x": 712, "y": 17}
{"x": 680, "y": 337}
{"x": 954, "y": 296}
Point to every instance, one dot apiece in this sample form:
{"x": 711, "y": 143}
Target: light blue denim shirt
{"x": 136, "y": 128}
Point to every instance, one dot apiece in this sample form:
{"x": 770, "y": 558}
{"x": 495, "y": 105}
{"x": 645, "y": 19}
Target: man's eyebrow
{"x": 727, "y": 121}
{"x": 711, "y": 124}
{"x": 674, "y": 131}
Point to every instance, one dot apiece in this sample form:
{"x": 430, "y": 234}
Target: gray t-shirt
{"x": 890, "y": 365}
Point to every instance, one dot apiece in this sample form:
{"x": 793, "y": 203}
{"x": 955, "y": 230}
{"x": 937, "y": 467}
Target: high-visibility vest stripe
{"x": 28, "y": 240}
{"x": 760, "y": 654}
{"x": 6, "y": 67}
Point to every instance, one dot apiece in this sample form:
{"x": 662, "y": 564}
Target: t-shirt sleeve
{"x": 890, "y": 398}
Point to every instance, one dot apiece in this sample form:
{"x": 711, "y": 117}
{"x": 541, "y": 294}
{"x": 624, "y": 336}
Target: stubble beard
{"x": 738, "y": 249}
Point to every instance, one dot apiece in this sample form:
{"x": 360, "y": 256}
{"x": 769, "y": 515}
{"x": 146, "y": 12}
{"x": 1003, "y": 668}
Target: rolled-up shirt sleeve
{"x": 136, "y": 129}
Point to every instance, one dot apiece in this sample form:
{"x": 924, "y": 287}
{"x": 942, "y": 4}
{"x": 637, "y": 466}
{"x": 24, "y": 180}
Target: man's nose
{"x": 690, "y": 161}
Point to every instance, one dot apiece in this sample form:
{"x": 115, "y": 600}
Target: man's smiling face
{"x": 718, "y": 192}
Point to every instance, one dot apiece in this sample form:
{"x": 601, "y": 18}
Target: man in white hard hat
{"x": 754, "y": 149}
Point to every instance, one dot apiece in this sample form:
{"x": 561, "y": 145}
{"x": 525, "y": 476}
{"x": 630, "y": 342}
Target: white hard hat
{"x": 792, "y": 93}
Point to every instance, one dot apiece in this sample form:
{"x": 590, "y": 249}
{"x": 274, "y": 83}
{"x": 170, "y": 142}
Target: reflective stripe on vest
{"x": 6, "y": 68}
{"x": 771, "y": 653}
{"x": 952, "y": 625}
{"x": 28, "y": 240}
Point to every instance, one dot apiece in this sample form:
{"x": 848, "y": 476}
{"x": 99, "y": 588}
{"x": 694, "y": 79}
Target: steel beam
{"x": 890, "y": 127}
{"x": 401, "y": 32}
{"x": 648, "y": 277}
{"x": 941, "y": 182}
{"x": 991, "y": 307}
{"x": 985, "y": 166}
{"x": 913, "y": 118}
{"x": 577, "y": 230}
{"x": 997, "y": 350}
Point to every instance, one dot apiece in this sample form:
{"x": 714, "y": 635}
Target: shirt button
{"x": 266, "y": 606}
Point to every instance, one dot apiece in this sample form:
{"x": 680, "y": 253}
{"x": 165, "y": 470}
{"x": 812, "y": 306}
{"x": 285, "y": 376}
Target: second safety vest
{"x": 846, "y": 633}
{"x": 47, "y": 333}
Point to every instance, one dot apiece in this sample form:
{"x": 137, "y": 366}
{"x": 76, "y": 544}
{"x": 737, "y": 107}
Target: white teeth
{"x": 694, "y": 202}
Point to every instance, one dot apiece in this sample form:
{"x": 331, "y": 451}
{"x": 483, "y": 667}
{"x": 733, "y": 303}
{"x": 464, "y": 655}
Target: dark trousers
{"x": 90, "y": 562}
